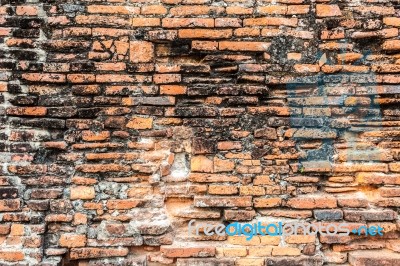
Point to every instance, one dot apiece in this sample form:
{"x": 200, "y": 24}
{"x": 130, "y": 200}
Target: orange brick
{"x": 272, "y": 10}
{"x": 87, "y": 253}
{"x": 185, "y": 252}
{"x": 28, "y": 111}
{"x": 332, "y": 34}
{"x": 122, "y": 204}
{"x": 300, "y": 239}
{"x": 72, "y": 240}
{"x": 223, "y": 165}
{"x": 44, "y": 77}
{"x": 204, "y": 34}
{"x": 298, "y": 9}
{"x": 285, "y": 251}
{"x": 391, "y": 45}
{"x": 193, "y": 10}
{"x": 26, "y": 10}
{"x": 12, "y": 255}
{"x": 102, "y": 20}
{"x": 3, "y": 87}
{"x": 109, "y": 9}
{"x": 82, "y": 192}
{"x": 260, "y": 251}
{"x": 17, "y": 230}
{"x": 247, "y": 32}
{"x": 173, "y": 89}
{"x": 244, "y": 46}
{"x": 376, "y": 10}
{"x": 392, "y": 21}
{"x": 310, "y": 202}
{"x": 166, "y": 78}
{"x": 267, "y": 202}
{"x": 153, "y": 10}
{"x": 328, "y": 11}
{"x": 201, "y": 164}
{"x": 348, "y": 57}
{"x": 204, "y": 45}
{"x": 222, "y": 190}
{"x": 229, "y": 145}
{"x": 146, "y": 22}
{"x": 140, "y": 123}
{"x": 80, "y": 218}
{"x": 252, "y": 190}
{"x": 81, "y": 78}
{"x": 270, "y": 21}
{"x": 95, "y": 136}
{"x": 187, "y": 22}
{"x": 141, "y": 51}
{"x": 306, "y": 68}
{"x": 238, "y": 10}
{"x": 233, "y": 252}
{"x": 294, "y": 56}
{"x": 242, "y": 241}
{"x": 58, "y": 218}
{"x": 249, "y": 262}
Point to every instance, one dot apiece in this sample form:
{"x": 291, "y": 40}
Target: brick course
{"x": 120, "y": 121}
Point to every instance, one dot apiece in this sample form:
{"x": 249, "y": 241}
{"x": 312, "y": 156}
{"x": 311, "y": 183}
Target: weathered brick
{"x": 244, "y": 201}
{"x": 141, "y": 51}
{"x": 328, "y": 11}
{"x": 87, "y": 253}
{"x": 312, "y": 202}
{"x": 243, "y": 46}
{"x": 185, "y": 252}
{"x": 364, "y": 257}
{"x": 187, "y": 22}
{"x": 72, "y": 240}
{"x": 140, "y": 123}
{"x": 204, "y": 34}
{"x": 12, "y": 256}
{"x": 121, "y": 120}
{"x": 82, "y": 192}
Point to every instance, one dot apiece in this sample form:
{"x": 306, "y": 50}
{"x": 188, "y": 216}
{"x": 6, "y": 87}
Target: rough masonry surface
{"x": 122, "y": 120}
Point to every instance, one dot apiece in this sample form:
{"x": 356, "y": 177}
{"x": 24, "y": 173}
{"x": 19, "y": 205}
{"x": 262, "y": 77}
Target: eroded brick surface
{"x": 120, "y": 121}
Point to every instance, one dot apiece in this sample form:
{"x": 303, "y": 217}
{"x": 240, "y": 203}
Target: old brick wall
{"x": 122, "y": 120}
